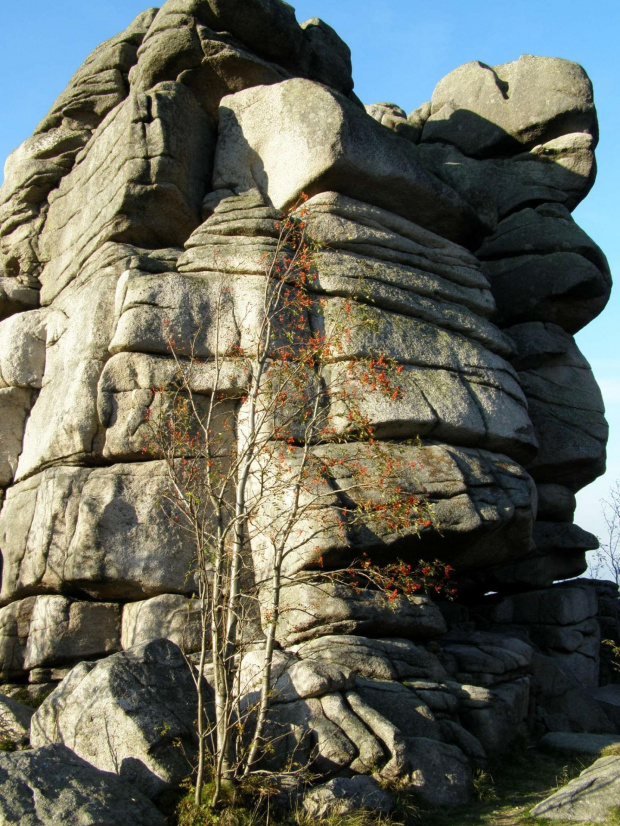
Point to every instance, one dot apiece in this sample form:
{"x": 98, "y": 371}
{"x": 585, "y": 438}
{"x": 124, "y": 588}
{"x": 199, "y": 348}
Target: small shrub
{"x": 484, "y": 787}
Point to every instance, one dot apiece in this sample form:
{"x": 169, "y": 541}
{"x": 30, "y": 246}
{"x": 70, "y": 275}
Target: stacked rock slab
{"x": 155, "y": 186}
{"x": 526, "y": 136}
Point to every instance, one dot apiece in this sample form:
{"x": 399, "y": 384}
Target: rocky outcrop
{"x": 143, "y": 211}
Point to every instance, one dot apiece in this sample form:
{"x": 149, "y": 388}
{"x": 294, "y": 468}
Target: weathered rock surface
{"x": 485, "y": 110}
{"x": 124, "y": 714}
{"x": 52, "y": 785}
{"x": 586, "y": 799}
{"x": 95, "y": 530}
{"x": 373, "y": 166}
{"x": 344, "y": 795}
{"x": 63, "y": 630}
{"x": 543, "y": 267}
{"x": 14, "y": 629}
{"x": 608, "y": 698}
{"x": 169, "y": 616}
{"x": 14, "y": 722}
{"x": 39, "y": 164}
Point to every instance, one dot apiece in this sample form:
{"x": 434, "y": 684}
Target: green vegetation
{"x": 503, "y": 796}
{"x": 24, "y": 697}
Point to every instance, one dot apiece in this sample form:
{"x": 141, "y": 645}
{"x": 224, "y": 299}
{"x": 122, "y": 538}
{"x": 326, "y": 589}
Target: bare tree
{"x": 252, "y": 438}
{"x": 607, "y": 558}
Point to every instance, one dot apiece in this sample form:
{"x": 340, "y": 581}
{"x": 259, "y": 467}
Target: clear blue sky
{"x": 401, "y": 49}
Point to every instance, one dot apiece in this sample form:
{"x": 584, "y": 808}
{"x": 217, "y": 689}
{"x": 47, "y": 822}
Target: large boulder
{"x": 52, "y": 785}
{"x": 132, "y": 714}
{"x": 488, "y": 110}
{"x": 357, "y": 156}
{"x": 588, "y": 798}
{"x": 440, "y": 261}
{"x": 129, "y": 207}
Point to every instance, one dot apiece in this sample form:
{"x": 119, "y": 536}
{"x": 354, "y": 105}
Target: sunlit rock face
{"x": 155, "y": 184}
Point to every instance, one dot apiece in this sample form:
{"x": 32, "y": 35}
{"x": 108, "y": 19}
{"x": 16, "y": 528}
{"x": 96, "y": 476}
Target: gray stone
{"x": 608, "y": 698}
{"x": 542, "y": 230}
{"x": 556, "y": 503}
{"x": 14, "y": 629}
{"x": 37, "y": 166}
{"x": 23, "y": 349}
{"x": 540, "y": 568}
{"x": 497, "y": 726}
{"x": 393, "y": 117}
{"x": 307, "y": 738}
{"x": 304, "y": 679}
{"x": 575, "y": 710}
{"x": 315, "y": 609}
{"x": 14, "y": 722}
{"x": 325, "y": 57}
{"x": 75, "y": 334}
{"x": 565, "y": 406}
{"x": 479, "y": 495}
{"x": 586, "y": 799}
{"x": 52, "y": 785}
{"x": 544, "y": 288}
{"x": 342, "y": 796}
{"x": 484, "y": 110}
{"x": 398, "y": 765}
{"x": 373, "y": 166}
{"x": 15, "y": 405}
{"x": 268, "y": 27}
{"x": 205, "y": 58}
{"x": 98, "y": 530}
{"x": 148, "y": 231}
{"x": 560, "y": 171}
{"x": 147, "y": 127}
{"x": 487, "y": 653}
{"x": 455, "y": 734}
{"x": 371, "y": 754}
{"x": 63, "y": 630}
{"x": 380, "y": 659}
{"x": 418, "y": 118}
{"x": 583, "y": 638}
{"x": 557, "y": 606}
{"x": 171, "y": 616}
{"x": 16, "y": 297}
{"x": 440, "y": 773}
{"x": 583, "y": 743}
{"x": 401, "y": 706}
{"x": 155, "y": 308}
{"x": 124, "y": 714}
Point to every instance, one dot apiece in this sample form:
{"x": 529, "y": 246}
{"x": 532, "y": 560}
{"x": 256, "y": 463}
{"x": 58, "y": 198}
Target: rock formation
{"x": 157, "y": 176}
